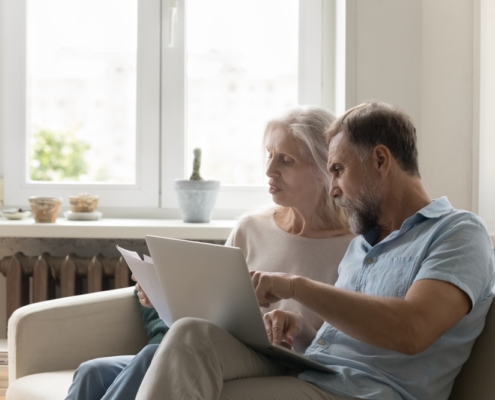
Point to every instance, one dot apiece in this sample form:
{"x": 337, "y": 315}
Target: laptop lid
{"x": 212, "y": 282}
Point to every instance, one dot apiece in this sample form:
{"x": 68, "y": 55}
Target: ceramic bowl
{"x": 15, "y": 213}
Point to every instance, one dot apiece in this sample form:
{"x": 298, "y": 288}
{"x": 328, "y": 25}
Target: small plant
{"x": 195, "y": 176}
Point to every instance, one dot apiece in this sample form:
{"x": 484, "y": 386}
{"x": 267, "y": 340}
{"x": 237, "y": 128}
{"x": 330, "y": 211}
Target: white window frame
{"x": 161, "y": 146}
{"x": 144, "y": 192}
{"x": 316, "y": 87}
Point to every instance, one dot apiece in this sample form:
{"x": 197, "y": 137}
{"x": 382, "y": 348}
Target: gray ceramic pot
{"x": 196, "y": 199}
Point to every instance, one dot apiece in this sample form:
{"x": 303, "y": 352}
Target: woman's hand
{"x": 143, "y": 299}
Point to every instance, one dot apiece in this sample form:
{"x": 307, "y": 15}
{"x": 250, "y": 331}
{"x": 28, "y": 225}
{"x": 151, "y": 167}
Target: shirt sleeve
{"x": 462, "y": 254}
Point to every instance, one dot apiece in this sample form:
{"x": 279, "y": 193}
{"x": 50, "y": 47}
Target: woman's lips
{"x": 273, "y": 190}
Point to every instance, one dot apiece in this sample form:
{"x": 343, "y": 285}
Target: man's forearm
{"x": 390, "y": 323}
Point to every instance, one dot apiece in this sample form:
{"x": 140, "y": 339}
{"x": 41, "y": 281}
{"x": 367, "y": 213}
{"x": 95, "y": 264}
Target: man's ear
{"x": 382, "y": 159}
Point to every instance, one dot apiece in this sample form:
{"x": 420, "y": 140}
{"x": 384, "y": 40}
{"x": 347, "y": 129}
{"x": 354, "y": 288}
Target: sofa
{"x": 48, "y": 340}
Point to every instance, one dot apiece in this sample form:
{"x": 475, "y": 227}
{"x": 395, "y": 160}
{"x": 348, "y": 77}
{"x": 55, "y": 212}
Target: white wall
{"x": 486, "y": 70}
{"x": 1, "y": 91}
{"x": 419, "y": 56}
{"x": 447, "y": 100}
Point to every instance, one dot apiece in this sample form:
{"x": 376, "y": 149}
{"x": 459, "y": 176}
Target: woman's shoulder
{"x": 256, "y": 218}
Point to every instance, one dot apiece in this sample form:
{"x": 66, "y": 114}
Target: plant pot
{"x": 196, "y": 199}
{"x": 45, "y": 209}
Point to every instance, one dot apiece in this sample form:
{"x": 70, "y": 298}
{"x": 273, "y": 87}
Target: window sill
{"x": 117, "y": 228}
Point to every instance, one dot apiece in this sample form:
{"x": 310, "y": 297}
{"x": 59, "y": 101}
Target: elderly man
{"x": 412, "y": 295}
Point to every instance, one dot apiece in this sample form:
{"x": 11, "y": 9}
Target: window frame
{"x": 316, "y": 86}
{"x": 144, "y": 192}
{"x": 161, "y": 123}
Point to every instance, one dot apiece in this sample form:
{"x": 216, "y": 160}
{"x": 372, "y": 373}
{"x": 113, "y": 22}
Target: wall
{"x": 486, "y": 68}
{"x": 419, "y": 55}
{"x": 1, "y": 91}
{"x": 447, "y": 100}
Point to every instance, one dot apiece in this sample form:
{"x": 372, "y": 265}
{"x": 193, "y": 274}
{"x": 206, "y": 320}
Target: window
{"x": 76, "y": 70}
{"x": 81, "y": 90}
{"x": 137, "y": 84}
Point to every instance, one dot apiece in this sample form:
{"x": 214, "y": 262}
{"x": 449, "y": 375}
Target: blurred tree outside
{"x": 57, "y": 156}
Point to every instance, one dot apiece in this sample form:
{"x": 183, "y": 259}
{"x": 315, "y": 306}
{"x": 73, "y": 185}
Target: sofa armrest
{"x": 59, "y": 334}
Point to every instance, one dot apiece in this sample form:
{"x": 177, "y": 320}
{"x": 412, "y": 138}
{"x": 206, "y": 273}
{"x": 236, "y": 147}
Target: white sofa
{"x": 48, "y": 340}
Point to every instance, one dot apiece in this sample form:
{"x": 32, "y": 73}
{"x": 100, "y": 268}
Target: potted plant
{"x": 196, "y": 196}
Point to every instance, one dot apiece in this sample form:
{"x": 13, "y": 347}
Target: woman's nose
{"x": 271, "y": 169}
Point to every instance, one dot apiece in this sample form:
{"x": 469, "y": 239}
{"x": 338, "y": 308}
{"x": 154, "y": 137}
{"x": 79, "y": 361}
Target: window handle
{"x": 172, "y": 23}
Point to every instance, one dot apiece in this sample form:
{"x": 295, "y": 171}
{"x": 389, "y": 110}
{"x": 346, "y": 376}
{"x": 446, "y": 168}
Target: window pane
{"x": 242, "y": 70}
{"x": 81, "y": 75}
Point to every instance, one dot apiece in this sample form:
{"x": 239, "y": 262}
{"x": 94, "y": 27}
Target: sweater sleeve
{"x": 155, "y": 328}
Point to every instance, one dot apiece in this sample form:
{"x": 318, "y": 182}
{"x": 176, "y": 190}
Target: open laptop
{"x": 212, "y": 282}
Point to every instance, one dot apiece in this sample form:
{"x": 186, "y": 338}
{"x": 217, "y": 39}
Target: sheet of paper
{"x": 145, "y": 273}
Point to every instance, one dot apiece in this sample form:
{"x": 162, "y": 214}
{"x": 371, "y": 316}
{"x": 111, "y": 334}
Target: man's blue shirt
{"x": 438, "y": 242}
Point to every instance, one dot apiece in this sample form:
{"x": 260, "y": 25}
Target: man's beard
{"x": 363, "y": 212}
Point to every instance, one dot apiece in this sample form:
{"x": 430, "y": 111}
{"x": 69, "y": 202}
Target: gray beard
{"x": 362, "y": 213}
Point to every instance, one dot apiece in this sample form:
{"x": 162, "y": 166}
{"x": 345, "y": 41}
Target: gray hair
{"x": 308, "y": 124}
{"x": 372, "y": 123}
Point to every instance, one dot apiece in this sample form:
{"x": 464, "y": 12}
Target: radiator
{"x": 45, "y": 277}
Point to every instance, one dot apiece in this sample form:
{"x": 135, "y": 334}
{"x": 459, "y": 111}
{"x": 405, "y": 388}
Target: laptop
{"x": 212, "y": 282}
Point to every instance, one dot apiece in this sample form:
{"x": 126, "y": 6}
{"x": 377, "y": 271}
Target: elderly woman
{"x": 303, "y": 234}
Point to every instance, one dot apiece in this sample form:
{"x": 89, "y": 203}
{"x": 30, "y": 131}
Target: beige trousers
{"x": 198, "y": 360}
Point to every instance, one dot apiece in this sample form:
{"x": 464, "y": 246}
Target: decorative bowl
{"x": 15, "y": 213}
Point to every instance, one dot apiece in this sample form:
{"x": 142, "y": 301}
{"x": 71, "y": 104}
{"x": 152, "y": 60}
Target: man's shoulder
{"x": 461, "y": 220}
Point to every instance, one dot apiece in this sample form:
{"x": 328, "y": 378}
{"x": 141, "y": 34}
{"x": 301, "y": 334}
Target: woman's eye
{"x": 288, "y": 161}
{"x": 336, "y": 171}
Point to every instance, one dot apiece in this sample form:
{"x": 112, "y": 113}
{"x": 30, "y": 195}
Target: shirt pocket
{"x": 391, "y": 277}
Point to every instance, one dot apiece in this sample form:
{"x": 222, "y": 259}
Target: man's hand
{"x": 288, "y": 329}
{"x": 272, "y": 287}
{"x": 282, "y": 327}
{"x": 143, "y": 299}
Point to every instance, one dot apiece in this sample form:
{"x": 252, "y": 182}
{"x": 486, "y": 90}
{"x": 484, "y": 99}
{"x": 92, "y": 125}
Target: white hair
{"x": 308, "y": 124}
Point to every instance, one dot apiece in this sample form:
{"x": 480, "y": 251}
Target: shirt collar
{"x": 437, "y": 208}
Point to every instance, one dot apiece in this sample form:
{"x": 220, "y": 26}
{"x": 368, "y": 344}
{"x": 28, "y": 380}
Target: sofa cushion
{"x": 44, "y": 386}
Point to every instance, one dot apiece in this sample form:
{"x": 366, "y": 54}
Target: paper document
{"x": 145, "y": 273}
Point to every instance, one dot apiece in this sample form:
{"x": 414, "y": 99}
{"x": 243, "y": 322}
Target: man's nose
{"x": 335, "y": 190}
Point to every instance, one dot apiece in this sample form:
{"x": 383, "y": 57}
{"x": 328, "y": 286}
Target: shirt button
{"x": 322, "y": 342}
{"x": 369, "y": 261}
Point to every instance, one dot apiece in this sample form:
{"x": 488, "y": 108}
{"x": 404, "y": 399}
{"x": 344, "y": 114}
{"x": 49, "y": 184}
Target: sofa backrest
{"x": 477, "y": 377}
